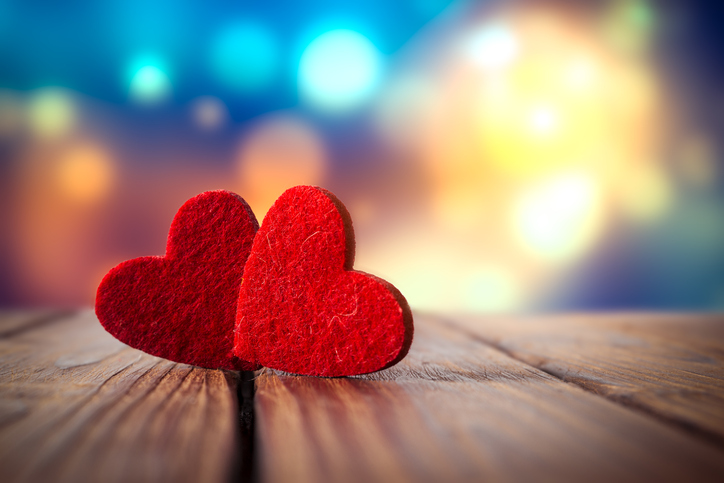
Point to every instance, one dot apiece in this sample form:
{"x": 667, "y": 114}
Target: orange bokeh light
{"x": 278, "y": 152}
{"x": 85, "y": 173}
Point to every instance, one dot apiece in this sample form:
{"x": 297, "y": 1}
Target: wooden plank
{"x": 671, "y": 366}
{"x": 459, "y": 410}
{"x": 76, "y": 405}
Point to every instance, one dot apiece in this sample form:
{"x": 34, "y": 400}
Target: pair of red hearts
{"x": 231, "y": 295}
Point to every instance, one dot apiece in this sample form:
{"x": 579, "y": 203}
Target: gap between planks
{"x": 708, "y": 436}
{"x": 245, "y": 470}
{"x": 88, "y": 408}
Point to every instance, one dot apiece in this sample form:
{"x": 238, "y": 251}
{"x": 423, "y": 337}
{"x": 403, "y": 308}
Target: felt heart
{"x": 302, "y": 309}
{"x": 181, "y": 306}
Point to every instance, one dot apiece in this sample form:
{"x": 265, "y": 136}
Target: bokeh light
{"x": 495, "y": 45}
{"x": 209, "y": 113}
{"x": 339, "y": 70}
{"x": 85, "y": 173}
{"x": 277, "y": 152}
{"x": 51, "y": 112}
{"x": 244, "y": 57}
{"x": 149, "y": 86}
{"x": 543, "y": 120}
{"x": 559, "y": 219}
{"x": 496, "y": 157}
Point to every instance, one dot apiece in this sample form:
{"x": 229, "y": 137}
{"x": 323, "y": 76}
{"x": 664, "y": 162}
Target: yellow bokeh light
{"x": 84, "y": 173}
{"x": 581, "y": 74}
{"x": 560, "y": 218}
{"x": 51, "y": 113}
{"x": 280, "y": 151}
{"x": 565, "y": 103}
{"x": 535, "y": 122}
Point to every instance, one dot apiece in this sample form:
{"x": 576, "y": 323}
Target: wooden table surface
{"x": 637, "y": 397}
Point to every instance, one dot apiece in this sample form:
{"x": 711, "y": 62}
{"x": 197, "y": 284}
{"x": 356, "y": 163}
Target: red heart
{"x": 181, "y": 306}
{"x": 302, "y": 309}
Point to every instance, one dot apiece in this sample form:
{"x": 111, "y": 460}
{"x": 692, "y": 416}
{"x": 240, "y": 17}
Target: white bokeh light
{"x": 495, "y": 45}
{"x": 339, "y": 70}
{"x": 559, "y": 219}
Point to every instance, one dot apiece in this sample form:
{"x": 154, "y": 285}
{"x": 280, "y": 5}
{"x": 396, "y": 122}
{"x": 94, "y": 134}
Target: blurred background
{"x": 496, "y": 156}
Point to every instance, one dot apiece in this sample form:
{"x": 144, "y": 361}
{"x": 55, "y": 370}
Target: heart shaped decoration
{"x": 302, "y": 309}
{"x": 182, "y": 306}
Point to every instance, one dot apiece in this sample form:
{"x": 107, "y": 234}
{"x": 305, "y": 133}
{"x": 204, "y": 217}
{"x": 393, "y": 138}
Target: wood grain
{"x": 457, "y": 409}
{"x": 78, "y": 406}
{"x": 670, "y": 366}
{"x": 495, "y": 399}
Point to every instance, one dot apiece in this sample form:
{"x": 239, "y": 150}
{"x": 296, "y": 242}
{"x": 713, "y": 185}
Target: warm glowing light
{"x": 85, "y": 173}
{"x": 209, "y": 113}
{"x": 531, "y": 122}
{"x": 492, "y": 290}
{"x": 527, "y": 158}
{"x": 453, "y": 279}
{"x": 559, "y": 219}
{"x": 244, "y": 57}
{"x": 495, "y": 45}
{"x": 339, "y": 70}
{"x": 51, "y": 113}
{"x": 279, "y": 152}
{"x": 150, "y": 86}
{"x": 581, "y": 74}
{"x": 543, "y": 120}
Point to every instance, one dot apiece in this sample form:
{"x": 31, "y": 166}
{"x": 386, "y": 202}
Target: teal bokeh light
{"x": 245, "y": 57}
{"x": 149, "y": 82}
{"x": 339, "y": 70}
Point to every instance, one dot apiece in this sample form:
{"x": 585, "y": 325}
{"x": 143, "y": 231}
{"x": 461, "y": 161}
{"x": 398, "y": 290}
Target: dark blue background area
{"x": 87, "y": 45}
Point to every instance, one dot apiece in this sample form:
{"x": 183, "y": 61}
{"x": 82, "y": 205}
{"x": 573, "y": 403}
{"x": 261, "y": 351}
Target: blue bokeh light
{"x": 245, "y": 57}
{"x": 149, "y": 83}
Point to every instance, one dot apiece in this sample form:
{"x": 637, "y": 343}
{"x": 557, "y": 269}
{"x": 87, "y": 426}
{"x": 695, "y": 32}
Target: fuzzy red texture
{"x": 302, "y": 309}
{"x": 181, "y": 306}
